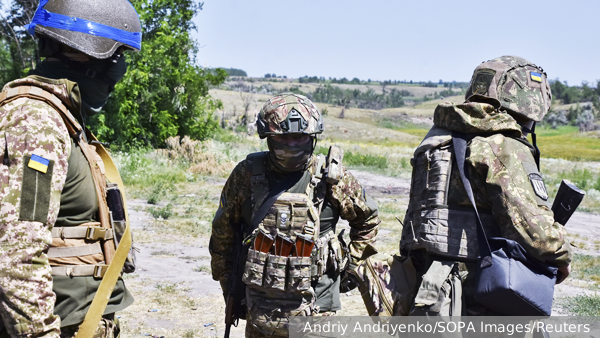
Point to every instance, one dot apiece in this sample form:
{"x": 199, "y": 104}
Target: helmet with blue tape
{"x": 97, "y": 28}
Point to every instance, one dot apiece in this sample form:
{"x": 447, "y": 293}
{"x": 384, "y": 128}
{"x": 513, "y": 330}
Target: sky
{"x": 417, "y": 40}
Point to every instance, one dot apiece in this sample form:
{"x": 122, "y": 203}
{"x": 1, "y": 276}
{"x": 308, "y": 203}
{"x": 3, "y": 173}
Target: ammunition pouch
{"x": 118, "y": 222}
{"x": 255, "y": 267}
{"x": 269, "y": 310}
{"x": 275, "y": 272}
{"x": 440, "y": 292}
{"x": 299, "y": 274}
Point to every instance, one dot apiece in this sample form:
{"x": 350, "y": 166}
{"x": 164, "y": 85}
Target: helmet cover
{"x": 94, "y": 27}
{"x": 289, "y": 113}
{"x": 513, "y": 84}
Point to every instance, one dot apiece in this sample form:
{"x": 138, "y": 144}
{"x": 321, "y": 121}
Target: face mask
{"x": 289, "y": 158}
{"x": 94, "y": 93}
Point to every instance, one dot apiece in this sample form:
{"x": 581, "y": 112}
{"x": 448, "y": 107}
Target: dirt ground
{"x": 176, "y": 296}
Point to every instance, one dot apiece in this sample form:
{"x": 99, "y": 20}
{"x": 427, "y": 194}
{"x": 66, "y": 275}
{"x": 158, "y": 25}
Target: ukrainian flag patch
{"x": 38, "y": 163}
{"x": 537, "y": 77}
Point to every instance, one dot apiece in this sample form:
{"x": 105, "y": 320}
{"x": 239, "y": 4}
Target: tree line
{"x": 163, "y": 94}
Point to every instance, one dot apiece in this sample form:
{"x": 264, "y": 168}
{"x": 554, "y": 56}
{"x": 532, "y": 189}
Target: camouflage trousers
{"x": 107, "y": 328}
{"x": 252, "y": 332}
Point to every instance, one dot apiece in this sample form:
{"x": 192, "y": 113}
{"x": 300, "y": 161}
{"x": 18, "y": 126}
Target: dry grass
{"x": 204, "y": 157}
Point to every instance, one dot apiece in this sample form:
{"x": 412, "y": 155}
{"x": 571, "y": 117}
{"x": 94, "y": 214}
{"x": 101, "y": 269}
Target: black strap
{"x": 6, "y": 159}
{"x": 274, "y": 194}
{"x": 536, "y": 156}
{"x": 459, "y": 140}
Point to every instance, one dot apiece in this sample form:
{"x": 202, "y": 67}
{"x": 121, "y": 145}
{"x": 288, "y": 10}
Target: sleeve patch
{"x": 38, "y": 163}
{"x": 35, "y": 194}
{"x": 537, "y": 182}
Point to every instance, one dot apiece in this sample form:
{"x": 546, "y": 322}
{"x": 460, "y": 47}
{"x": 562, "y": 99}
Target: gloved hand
{"x": 563, "y": 273}
{"x": 348, "y": 280}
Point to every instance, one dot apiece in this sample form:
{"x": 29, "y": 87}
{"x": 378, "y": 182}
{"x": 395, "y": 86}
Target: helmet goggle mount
{"x": 294, "y": 122}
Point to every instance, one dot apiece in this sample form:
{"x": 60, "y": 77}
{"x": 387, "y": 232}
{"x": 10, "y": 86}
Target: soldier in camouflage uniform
{"x": 507, "y": 95}
{"x": 290, "y": 123}
{"x": 46, "y": 181}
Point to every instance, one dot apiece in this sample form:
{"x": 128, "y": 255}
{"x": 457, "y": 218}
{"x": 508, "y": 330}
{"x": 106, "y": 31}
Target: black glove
{"x": 348, "y": 280}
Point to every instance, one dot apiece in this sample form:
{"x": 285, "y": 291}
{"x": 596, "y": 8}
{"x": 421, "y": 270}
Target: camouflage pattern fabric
{"x": 512, "y": 84}
{"x": 500, "y": 164}
{"x": 29, "y": 127}
{"x": 289, "y": 158}
{"x": 107, "y": 328}
{"x": 347, "y": 196}
{"x": 289, "y": 113}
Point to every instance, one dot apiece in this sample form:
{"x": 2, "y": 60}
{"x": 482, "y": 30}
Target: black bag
{"x": 509, "y": 280}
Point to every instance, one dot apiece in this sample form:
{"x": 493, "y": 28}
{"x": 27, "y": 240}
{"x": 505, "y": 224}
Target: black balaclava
{"x": 94, "y": 93}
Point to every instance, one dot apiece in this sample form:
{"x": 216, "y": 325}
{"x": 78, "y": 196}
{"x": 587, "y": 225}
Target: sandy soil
{"x": 187, "y": 267}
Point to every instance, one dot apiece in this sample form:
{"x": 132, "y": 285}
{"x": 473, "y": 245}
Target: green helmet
{"x": 514, "y": 84}
{"x": 289, "y": 113}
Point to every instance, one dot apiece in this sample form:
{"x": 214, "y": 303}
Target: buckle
{"x": 100, "y": 271}
{"x": 257, "y": 179}
{"x": 95, "y": 233}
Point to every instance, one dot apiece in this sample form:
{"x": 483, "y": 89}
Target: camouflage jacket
{"x": 499, "y": 162}
{"x": 32, "y": 301}
{"x": 347, "y": 197}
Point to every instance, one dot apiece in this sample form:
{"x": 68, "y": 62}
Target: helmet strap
{"x": 531, "y": 131}
{"x": 80, "y": 67}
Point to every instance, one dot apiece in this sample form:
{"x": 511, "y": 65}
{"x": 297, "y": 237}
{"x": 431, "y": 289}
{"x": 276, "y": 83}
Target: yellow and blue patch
{"x": 38, "y": 163}
{"x": 537, "y": 77}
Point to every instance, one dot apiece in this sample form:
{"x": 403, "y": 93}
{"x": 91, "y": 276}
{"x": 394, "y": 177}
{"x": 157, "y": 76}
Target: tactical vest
{"x": 280, "y": 286}
{"x": 86, "y": 249}
{"x": 430, "y": 223}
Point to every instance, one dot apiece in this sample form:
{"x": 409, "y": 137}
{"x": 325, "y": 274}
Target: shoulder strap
{"x": 258, "y": 180}
{"x": 274, "y": 194}
{"x": 94, "y": 314}
{"x": 459, "y": 141}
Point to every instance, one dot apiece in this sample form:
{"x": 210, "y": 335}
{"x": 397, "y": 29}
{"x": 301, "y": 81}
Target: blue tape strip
{"x": 48, "y": 19}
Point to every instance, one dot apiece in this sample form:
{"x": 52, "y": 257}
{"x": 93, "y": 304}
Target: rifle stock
{"x": 566, "y": 202}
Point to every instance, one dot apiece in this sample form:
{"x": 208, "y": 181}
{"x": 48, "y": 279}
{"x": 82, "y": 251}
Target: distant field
{"x": 406, "y": 125}
{"x": 568, "y": 143}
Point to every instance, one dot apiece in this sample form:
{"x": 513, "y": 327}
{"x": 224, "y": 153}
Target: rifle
{"x": 234, "y": 309}
{"x": 567, "y": 200}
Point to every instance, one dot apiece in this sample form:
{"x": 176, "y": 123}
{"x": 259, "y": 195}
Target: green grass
{"x": 356, "y": 160}
{"x": 570, "y": 147}
{"x": 417, "y": 132}
{"x": 404, "y": 126}
{"x": 586, "y": 268}
{"x": 543, "y": 131}
{"x": 567, "y": 143}
{"x": 158, "y": 212}
{"x": 582, "y": 305}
